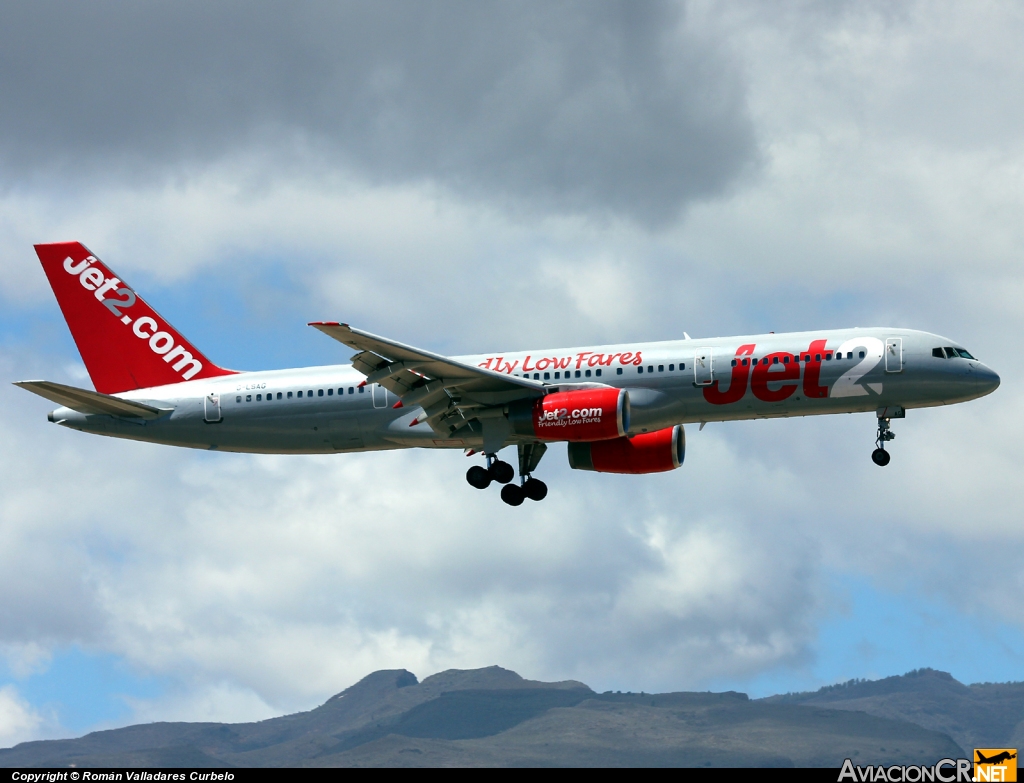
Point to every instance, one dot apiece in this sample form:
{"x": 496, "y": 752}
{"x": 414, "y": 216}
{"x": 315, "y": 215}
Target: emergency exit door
{"x": 211, "y": 408}
{"x": 894, "y": 354}
{"x": 703, "y": 367}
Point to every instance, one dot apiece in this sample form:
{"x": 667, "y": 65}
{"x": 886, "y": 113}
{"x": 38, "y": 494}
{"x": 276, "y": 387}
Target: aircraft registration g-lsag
{"x": 620, "y": 408}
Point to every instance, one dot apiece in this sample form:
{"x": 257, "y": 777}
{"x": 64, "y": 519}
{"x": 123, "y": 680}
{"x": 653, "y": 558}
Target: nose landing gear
{"x": 880, "y": 456}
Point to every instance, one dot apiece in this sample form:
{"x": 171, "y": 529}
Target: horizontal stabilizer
{"x": 85, "y": 401}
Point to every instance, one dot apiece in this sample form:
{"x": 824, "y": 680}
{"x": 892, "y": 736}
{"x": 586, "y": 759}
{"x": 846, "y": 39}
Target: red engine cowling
{"x": 651, "y": 452}
{"x": 576, "y": 416}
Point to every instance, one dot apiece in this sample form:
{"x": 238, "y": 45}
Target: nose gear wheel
{"x": 880, "y": 456}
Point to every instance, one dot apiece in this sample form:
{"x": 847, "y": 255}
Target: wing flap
{"x": 90, "y": 402}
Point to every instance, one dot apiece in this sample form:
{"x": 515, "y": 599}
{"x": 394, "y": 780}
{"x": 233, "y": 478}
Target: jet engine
{"x": 576, "y": 416}
{"x": 651, "y": 452}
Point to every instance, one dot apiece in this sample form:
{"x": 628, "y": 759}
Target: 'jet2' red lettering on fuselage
{"x": 779, "y": 367}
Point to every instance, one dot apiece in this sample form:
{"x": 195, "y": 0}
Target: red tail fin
{"x": 124, "y": 343}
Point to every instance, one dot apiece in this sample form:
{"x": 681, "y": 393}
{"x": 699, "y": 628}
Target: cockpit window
{"x": 938, "y": 354}
{"x": 964, "y": 354}
{"x": 950, "y": 353}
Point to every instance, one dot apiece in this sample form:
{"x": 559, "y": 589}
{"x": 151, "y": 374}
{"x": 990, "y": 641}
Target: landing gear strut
{"x": 880, "y": 456}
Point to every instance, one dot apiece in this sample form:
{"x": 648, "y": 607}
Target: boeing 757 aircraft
{"x": 620, "y": 408}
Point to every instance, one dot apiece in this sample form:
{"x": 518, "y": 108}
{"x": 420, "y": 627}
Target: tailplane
{"x": 124, "y": 342}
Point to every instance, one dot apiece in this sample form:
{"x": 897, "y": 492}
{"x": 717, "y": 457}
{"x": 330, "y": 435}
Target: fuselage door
{"x": 380, "y": 396}
{"x": 894, "y": 354}
{"x": 703, "y": 367}
{"x": 211, "y": 408}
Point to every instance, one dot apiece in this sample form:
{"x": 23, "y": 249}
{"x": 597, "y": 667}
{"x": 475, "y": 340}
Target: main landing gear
{"x": 503, "y": 473}
{"x": 880, "y": 456}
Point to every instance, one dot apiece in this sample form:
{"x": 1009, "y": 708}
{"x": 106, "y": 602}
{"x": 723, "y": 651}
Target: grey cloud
{"x": 606, "y": 108}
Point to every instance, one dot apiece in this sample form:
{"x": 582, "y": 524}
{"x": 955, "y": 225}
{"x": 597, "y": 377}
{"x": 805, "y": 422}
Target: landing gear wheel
{"x": 535, "y": 489}
{"x": 478, "y": 477}
{"x": 502, "y": 472}
{"x": 512, "y": 494}
{"x": 880, "y": 457}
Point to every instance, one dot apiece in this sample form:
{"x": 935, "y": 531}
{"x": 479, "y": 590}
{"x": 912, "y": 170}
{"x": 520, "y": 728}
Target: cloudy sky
{"x": 471, "y": 177}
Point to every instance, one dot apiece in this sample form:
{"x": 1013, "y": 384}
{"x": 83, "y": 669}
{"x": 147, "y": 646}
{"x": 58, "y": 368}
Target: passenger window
{"x": 587, "y": 373}
{"x": 577, "y": 373}
{"x": 362, "y": 389}
{"x": 661, "y": 368}
{"x": 536, "y": 376}
{"x": 279, "y": 395}
{"x": 682, "y": 366}
{"x": 785, "y": 360}
{"x": 817, "y": 357}
{"x": 238, "y": 398}
{"x": 547, "y": 376}
{"x": 618, "y": 371}
{"x": 248, "y": 398}
{"x": 640, "y": 369}
{"x": 289, "y": 395}
{"x": 650, "y": 368}
{"x": 310, "y": 392}
{"x": 746, "y": 362}
{"x": 938, "y": 354}
{"x": 558, "y": 375}
{"x": 319, "y": 392}
{"x": 330, "y": 392}
{"x": 259, "y": 398}
{"x": 672, "y": 367}
{"x": 862, "y": 354}
{"x": 775, "y": 360}
{"x": 828, "y": 357}
{"x": 351, "y": 389}
{"x": 598, "y": 372}
{"x": 299, "y": 394}
{"x": 733, "y": 363}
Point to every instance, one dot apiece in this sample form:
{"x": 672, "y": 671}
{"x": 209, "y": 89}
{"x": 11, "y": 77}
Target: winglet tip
{"x": 324, "y": 323}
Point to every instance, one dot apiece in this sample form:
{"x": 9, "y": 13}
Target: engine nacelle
{"x": 577, "y": 416}
{"x": 651, "y": 452}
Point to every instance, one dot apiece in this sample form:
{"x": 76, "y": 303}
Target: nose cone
{"x": 986, "y": 380}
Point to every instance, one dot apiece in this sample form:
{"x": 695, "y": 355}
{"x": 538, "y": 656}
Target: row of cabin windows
{"x": 806, "y": 357}
{"x": 558, "y": 374}
{"x": 661, "y": 368}
{"x": 951, "y": 353}
{"x": 597, "y": 372}
{"x": 309, "y": 393}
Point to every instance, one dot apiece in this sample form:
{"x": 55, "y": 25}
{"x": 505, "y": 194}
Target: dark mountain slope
{"x": 975, "y": 716}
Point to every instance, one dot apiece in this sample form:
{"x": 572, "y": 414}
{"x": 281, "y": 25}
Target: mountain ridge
{"x": 494, "y": 717}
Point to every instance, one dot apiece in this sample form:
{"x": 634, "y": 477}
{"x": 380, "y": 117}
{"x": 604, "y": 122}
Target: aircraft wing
{"x": 443, "y": 387}
{"x": 85, "y": 401}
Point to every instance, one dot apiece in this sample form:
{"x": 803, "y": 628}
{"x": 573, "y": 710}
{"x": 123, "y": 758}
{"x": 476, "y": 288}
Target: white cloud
{"x": 18, "y": 721}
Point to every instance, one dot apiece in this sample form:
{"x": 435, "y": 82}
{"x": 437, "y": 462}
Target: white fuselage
{"x": 324, "y": 409}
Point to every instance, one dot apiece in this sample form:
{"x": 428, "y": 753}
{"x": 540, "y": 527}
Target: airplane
{"x": 619, "y": 408}
{"x": 996, "y": 759}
